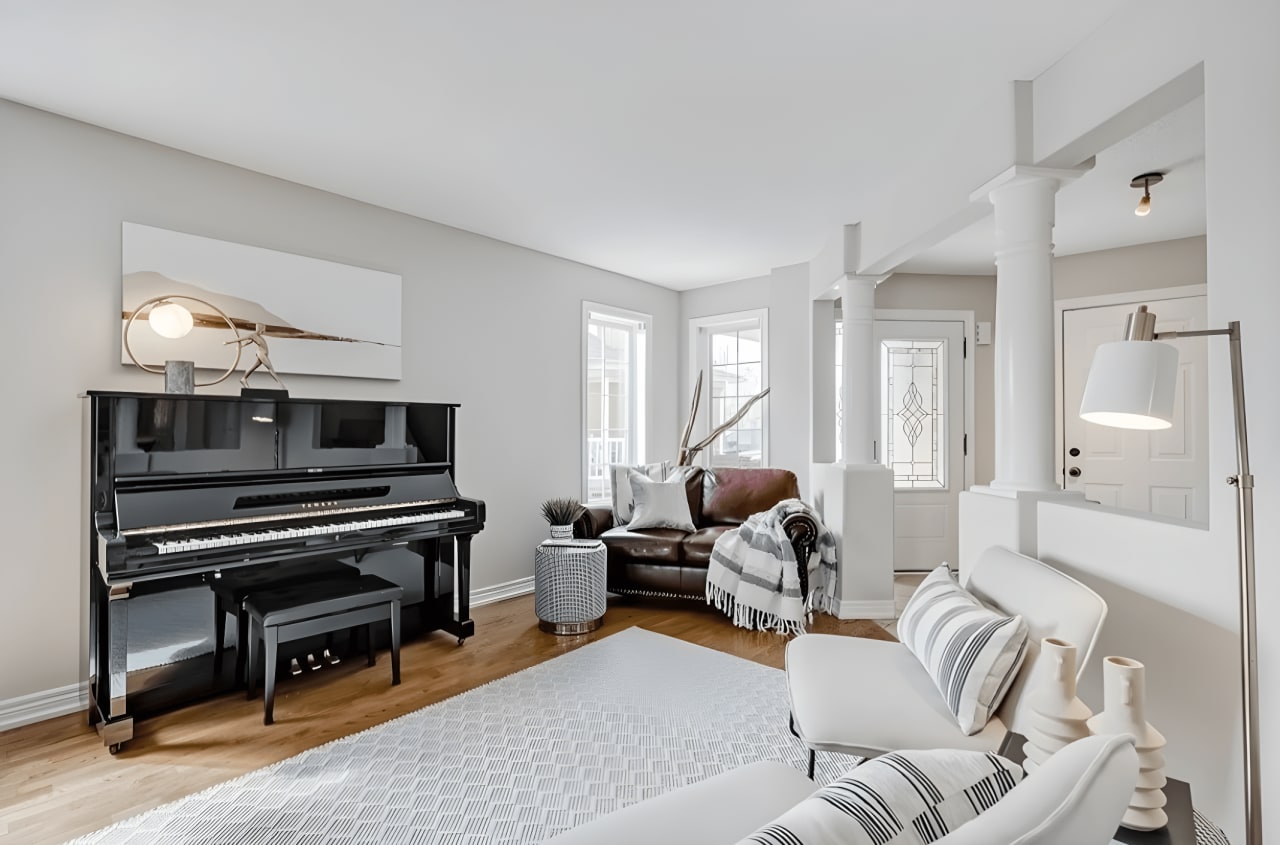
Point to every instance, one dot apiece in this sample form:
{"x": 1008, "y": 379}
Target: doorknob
{"x": 1074, "y": 472}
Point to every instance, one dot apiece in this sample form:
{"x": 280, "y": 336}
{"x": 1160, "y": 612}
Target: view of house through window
{"x": 614, "y": 391}
{"x": 730, "y": 352}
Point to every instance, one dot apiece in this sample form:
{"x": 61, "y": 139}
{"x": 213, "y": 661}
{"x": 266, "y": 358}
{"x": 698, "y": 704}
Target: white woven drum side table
{"x": 568, "y": 585}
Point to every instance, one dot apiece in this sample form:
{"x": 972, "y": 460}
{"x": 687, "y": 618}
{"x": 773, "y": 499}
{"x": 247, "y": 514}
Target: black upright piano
{"x": 184, "y": 488}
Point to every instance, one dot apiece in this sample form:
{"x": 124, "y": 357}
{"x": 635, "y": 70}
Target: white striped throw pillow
{"x": 902, "y": 798}
{"x": 971, "y": 652}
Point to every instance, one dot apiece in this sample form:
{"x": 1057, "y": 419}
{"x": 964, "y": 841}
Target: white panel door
{"x": 922, "y": 436}
{"x": 1161, "y": 472}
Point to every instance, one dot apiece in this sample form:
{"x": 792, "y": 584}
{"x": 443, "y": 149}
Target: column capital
{"x": 1022, "y": 174}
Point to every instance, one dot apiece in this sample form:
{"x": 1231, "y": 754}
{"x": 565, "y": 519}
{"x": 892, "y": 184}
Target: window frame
{"x": 700, "y": 331}
{"x": 640, "y": 364}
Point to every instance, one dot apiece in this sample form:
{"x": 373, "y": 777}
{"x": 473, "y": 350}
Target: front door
{"x": 922, "y": 436}
{"x": 1161, "y": 472}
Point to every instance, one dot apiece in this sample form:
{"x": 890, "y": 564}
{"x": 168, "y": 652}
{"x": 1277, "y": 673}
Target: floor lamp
{"x": 1131, "y": 385}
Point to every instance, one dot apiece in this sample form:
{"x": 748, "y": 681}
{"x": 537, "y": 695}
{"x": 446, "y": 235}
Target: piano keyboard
{"x": 193, "y": 544}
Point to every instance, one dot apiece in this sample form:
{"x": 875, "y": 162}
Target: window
{"x": 730, "y": 350}
{"x": 912, "y": 422}
{"x": 614, "y": 364}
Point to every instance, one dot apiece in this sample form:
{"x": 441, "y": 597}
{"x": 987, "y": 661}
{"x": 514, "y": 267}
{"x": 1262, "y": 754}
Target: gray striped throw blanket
{"x": 754, "y": 576}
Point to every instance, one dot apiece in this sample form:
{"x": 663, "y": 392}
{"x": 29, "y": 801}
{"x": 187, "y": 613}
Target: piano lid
{"x": 154, "y": 435}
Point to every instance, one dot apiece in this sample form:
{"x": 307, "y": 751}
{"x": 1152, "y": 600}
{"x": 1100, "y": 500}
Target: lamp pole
{"x": 1243, "y": 482}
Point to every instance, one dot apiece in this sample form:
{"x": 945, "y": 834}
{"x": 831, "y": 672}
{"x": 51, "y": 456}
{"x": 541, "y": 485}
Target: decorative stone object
{"x": 1058, "y": 717}
{"x": 1125, "y": 712}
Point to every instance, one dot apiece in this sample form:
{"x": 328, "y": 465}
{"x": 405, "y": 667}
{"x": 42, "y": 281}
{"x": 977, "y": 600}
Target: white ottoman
{"x": 569, "y": 585}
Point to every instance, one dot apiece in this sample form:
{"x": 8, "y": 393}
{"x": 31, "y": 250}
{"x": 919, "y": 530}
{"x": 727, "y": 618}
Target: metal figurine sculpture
{"x": 687, "y": 452}
{"x": 260, "y": 347}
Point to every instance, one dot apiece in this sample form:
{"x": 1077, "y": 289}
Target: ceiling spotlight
{"x": 1145, "y": 181}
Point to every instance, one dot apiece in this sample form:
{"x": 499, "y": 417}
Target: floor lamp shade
{"x": 1131, "y": 385}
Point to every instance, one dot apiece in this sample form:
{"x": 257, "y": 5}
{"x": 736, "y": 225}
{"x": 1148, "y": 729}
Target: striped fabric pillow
{"x": 903, "y": 798}
{"x": 971, "y": 652}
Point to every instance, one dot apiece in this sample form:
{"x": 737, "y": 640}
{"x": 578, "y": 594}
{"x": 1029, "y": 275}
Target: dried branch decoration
{"x": 688, "y": 452}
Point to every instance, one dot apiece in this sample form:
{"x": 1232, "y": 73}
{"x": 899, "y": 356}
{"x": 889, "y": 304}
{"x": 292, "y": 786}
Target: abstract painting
{"x": 319, "y": 317}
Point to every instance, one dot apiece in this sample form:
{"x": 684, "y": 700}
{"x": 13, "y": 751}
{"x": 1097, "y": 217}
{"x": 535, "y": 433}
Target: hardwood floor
{"x": 57, "y": 781}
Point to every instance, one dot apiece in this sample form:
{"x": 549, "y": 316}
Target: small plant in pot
{"x": 561, "y": 514}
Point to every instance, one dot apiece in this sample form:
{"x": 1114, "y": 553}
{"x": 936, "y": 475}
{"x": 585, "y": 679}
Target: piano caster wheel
{"x": 461, "y": 640}
{"x": 114, "y": 748}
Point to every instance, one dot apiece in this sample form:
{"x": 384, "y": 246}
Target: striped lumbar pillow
{"x": 903, "y": 798}
{"x": 971, "y": 652}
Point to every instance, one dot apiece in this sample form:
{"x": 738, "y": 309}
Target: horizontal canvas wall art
{"x": 318, "y": 317}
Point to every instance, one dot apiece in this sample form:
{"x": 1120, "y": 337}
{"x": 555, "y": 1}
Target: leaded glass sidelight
{"x": 912, "y": 422}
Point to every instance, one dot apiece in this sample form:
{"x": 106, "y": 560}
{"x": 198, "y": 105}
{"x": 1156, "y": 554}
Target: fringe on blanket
{"x": 754, "y": 619}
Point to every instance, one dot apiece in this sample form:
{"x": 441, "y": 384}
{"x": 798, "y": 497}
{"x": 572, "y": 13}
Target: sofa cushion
{"x": 648, "y": 545}
{"x": 620, "y": 486}
{"x": 659, "y": 504}
{"x": 971, "y": 652}
{"x": 902, "y": 798}
{"x": 731, "y": 495}
{"x": 697, "y": 546}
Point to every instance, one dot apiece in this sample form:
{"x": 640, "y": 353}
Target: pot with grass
{"x": 561, "y": 514}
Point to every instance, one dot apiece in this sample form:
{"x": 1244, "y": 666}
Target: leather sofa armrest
{"x": 595, "y": 520}
{"x": 803, "y": 532}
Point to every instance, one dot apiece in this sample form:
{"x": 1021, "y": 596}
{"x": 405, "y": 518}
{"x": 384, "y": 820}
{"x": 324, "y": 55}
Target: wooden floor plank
{"x": 58, "y": 782}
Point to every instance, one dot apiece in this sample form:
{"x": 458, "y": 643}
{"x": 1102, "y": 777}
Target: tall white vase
{"x": 1125, "y": 712}
{"x": 1058, "y": 717}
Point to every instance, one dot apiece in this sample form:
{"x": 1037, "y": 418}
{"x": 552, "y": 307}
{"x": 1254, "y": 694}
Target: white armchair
{"x": 866, "y": 697}
{"x": 1076, "y": 798}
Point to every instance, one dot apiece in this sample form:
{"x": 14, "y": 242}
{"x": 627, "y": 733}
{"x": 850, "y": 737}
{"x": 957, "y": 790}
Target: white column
{"x": 861, "y": 381}
{"x": 1024, "y": 378}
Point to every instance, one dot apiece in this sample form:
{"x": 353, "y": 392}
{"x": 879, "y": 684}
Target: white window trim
{"x": 699, "y": 360}
{"x": 639, "y": 410}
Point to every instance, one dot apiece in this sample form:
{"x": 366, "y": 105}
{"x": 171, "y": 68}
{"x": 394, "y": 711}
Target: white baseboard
{"x": 498, "y": 592}
{"x": 880, "y": 609}
{"x": 38, "y": 706}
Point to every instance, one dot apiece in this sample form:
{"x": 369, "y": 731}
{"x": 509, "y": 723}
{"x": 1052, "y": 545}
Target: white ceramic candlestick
{"x": 1125, "y": 697}
{"x": 1058, "y": 717}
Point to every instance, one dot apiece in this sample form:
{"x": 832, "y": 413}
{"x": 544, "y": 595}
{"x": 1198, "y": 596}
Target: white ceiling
{"x": 679, "y": 142}
{"x": 1096, "y": 211}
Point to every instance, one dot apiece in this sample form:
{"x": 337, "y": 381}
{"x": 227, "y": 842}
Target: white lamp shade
{"x": 1131, "y": 385}
{"x": 171, "y": 320}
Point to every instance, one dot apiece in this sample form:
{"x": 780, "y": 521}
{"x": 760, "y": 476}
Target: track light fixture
{"x": 1145, "y": 181}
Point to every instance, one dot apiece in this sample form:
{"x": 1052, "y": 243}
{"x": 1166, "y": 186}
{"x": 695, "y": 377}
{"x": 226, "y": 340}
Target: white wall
{"x": 785, "y": 293}
{"x": 490, "y": 325}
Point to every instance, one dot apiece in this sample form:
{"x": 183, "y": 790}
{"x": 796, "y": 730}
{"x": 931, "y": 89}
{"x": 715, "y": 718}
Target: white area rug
{"x": 515, "y": 761}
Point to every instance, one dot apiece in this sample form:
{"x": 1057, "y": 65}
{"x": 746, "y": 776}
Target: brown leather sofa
{"x": 670, "y": 562}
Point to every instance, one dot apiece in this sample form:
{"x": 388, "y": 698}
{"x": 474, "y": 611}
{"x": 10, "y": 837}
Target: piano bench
{"x": 230, "y": 589}
{"x": 286, "y": 614}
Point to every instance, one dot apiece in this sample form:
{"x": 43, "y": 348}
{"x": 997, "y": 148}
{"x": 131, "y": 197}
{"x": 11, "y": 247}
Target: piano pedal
{"x": 294, "y": 667}
{"x": 312, "y": 663}
{"x": 331, "y": 658}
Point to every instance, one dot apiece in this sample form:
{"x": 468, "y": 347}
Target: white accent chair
{"x": 1076, "y": 798}
{"x": 867, "y": 697}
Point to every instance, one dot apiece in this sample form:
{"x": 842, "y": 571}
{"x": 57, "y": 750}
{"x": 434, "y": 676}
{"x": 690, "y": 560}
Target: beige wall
{"x": 1165, "y": 264}
{"x": 487, "y": 324}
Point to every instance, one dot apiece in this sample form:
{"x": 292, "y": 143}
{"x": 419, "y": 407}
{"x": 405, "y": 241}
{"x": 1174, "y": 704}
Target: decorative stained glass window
{"x": 912, "y": 424}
